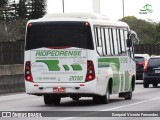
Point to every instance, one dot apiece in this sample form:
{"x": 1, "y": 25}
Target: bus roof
{"x": 77, "y": 15}
{"x": 89, "y": 17}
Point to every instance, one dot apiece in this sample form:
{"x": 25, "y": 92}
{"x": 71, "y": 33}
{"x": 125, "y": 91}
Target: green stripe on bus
{"x": 52, "y": 64}
{"x": 66, "y": 67}
{"x": 76, "y": 67}
{"x": 103, "y": 64}
{"x": 111, "y": 61}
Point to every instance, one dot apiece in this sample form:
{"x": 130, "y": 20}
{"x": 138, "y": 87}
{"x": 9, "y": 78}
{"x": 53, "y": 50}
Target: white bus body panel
{"x": 43, "y": 77}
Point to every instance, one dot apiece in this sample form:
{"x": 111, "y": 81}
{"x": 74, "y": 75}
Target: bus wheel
{"x": 56, "y": 99}
{"x": 145, "y": 85}
{"x": 128, "y": 95}
{"x": 155, "y": 84}
{"x": 96, "y": 99}
{"x": 102, "y": 99}
{"x": 47, "y": 99}
{"x": 106, "y": 97}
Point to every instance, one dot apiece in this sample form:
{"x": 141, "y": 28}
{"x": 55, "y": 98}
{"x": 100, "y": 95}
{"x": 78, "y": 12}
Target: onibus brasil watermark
{"x": 21, "y": 114}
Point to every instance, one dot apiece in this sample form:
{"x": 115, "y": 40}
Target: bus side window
{"x": 116, "y": 49}
{"x": 98, "y": 39}
{"x": 111, "y": 40}
{"x": 125, "y": 32}
{"x": 104, "y": 47}
{"x": 119, "y": 41}
{"x": 107, "y": 42}
{"x": 122, "y": 41}
{"x": 96, "y": 36}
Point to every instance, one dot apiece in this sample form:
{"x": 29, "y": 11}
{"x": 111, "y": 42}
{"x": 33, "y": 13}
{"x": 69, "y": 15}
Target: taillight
{"x": 141, "y": 63}
{"x": 86, "y": 24}
{"x": 90, "y": 75}
{"x": 30, "y": 24}
{"x": 145, "y": 66}
{"x": 28, "y": 74}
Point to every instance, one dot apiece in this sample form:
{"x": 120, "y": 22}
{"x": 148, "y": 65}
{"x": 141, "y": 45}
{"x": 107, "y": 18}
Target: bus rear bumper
{"x": 87, "y": 88}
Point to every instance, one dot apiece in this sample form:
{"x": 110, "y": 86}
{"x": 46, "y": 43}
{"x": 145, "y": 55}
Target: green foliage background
{"x": 148, "y": 32}
{"x": 14, "y": 16}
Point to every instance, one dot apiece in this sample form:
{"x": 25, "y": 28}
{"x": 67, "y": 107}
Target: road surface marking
{"x": 111, "y": 108}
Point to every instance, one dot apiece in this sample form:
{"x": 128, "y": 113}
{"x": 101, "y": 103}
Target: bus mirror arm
{"x": 129, "y": 42}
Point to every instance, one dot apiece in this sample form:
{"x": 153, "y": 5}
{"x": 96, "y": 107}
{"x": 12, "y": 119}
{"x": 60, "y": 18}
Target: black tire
{"x": 105, "y": 99}
{"x": 102, "y": 99}
{"x": 56, "y": 100}
{"x": 96, "y": 99}
{"x": 128, "y": 95}
{"x": 155, "y": 84}
{"x": 145, "y": 85}
{"x": 50, "y": 99}
{"x": 47, "y": 99}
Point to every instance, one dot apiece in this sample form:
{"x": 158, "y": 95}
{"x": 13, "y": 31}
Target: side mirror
{"x": 99, "y": 50}
{"x": 129, "y": 42}
{"x": 134, "y": 37}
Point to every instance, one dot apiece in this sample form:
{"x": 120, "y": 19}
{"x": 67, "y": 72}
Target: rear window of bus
{"x": 57, "y": 34}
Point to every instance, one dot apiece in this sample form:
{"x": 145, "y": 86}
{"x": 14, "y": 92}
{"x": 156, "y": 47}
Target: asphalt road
{"x": 144, "y": 99}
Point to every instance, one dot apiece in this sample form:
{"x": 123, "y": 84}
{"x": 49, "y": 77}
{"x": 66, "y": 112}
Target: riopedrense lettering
{"x": 58, "y": 53}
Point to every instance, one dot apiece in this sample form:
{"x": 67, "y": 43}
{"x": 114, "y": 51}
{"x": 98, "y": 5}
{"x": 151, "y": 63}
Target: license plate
{"x": 59, "y": 89}
{"x": 157, "y": 71}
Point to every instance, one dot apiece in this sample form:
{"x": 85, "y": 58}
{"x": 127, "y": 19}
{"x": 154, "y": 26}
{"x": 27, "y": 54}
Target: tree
{"x": 146, "y": 31}
{"x": 16, "y": 30}
{"x": 11, "y": 10}
{"x": 2, "y": 6}
{"x": 3, "y": 34}
{"x": 15, "y": 14}
{"x": 158, "y": 33}
{"x": 22, "y": 9}
{"x": 36, "y": 8}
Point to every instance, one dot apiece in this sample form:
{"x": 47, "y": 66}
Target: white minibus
{"x": 79, "y": 55}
